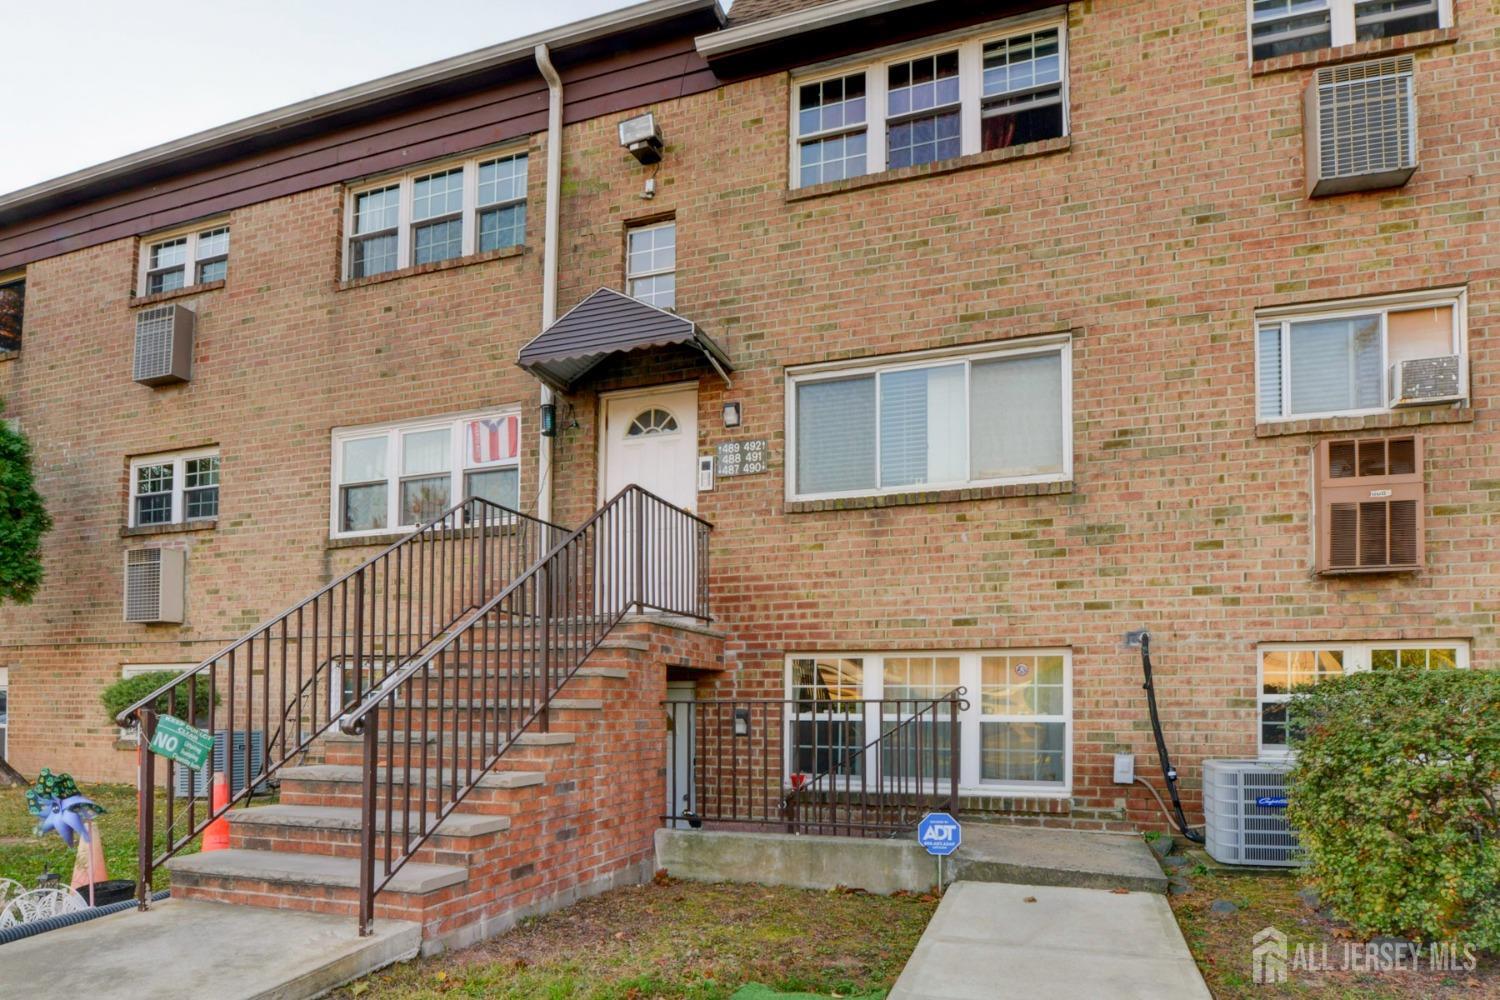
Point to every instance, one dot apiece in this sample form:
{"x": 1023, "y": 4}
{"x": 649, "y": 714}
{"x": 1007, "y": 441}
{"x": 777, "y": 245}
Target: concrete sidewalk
{"x": 192, "y": 949}
{"x": 987, "y": 941}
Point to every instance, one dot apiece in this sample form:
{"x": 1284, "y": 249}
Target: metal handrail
{"x": 529, "y": 640}
{"x": 388, "y": 610}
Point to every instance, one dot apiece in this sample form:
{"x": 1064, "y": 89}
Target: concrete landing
{"x": 190, "y": 949}
{"x": 994, "y": 852}
{"x": 1068, "y": 943}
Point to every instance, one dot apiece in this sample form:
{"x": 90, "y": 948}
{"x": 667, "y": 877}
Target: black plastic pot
{"x": 114, "y": 891}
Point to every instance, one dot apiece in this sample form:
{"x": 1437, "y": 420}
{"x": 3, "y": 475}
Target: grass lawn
{"x": 1221, "y": 945}
{"x": 685, "y": 940}
{"x": 24, "y": 856}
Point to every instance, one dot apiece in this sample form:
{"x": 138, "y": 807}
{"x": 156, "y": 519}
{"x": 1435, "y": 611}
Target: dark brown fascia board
{"x": 264, "y": 128}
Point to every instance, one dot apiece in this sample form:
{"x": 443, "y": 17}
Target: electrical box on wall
{"x": 1124, "y": 768}
{"x": 705, "y": 473}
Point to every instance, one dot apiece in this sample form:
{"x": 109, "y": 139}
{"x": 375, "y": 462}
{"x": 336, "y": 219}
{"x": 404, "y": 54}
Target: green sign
{"x": 185, "y": 744}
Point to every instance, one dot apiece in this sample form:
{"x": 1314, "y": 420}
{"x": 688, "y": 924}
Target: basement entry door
{"x": 651, "y": 439}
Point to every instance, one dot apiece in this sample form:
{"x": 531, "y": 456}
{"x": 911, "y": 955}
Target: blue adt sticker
{"x": 939, "y": 834}
{"x": 1271, "y": 801}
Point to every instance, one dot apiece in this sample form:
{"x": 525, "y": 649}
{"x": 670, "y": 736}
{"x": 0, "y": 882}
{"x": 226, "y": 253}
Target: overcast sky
{"x": 89, "y": 80}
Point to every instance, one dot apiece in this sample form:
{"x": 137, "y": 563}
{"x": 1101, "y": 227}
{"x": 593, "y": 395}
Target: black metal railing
{"x": 846, "y": 767}
{"x": 297, "y": 673}
{"x": 436, "y": 726}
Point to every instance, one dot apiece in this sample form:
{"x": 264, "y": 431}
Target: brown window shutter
{"x": 1369, "y": 498}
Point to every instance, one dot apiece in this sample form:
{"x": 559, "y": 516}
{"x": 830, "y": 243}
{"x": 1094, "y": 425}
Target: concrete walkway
{"x": 987, "y": 941}
{"x": 192, "y": 949}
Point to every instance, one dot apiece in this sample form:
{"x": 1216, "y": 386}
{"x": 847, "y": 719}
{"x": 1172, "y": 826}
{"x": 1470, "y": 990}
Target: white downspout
{"x": 549, "y": 254}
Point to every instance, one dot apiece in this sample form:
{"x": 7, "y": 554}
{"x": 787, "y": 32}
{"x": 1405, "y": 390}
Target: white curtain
{"x": 1016, "y": 417}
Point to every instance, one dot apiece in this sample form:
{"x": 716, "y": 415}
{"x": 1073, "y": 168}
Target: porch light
{"x": 549, "y": 420}
{"x": 742, "y": 722}
{"x": 642, "y": 137}
{"x": 731, "y": 414}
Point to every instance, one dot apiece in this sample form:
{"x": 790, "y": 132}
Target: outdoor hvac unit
{"x": 1369, "y": 505}
{"x": 1428, "y": 380}
{"x": 164, "y": 345}
{"x": 1361, "y": 126}
{"x": 154, "y": 585}
{"x": 200, "y": 783}
{"x": 1244, "y": 805}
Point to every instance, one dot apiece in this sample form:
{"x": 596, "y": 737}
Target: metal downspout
{"x": 549, "y": 253}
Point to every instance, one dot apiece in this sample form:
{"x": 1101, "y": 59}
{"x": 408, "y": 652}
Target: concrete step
{"x": 282, "y": 816}
{"x": 501, "y": 705}
{"x": 336, "y": 831}
{"x": 299, "y": 870}
{"x": 998, "y": 852}
{"x": 352, "y": 774}
{"x": 528, "y": 748}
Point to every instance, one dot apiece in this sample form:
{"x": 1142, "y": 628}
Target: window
{"x": 651, "y": 264}
{"x": 1288, "y": 668}
{"x": 934, "y": 421}
{"x": 195, "y": 257}
{"x": 652, "y": 421}
{"x": 399, "y": 476}
{"x": 12, "y": 311}
{"x": 976, "y": 93}
{"x": 1338, "y": 359}
{"x": 175, "y": 488}
{"x": 1279, "y": 27}
{"x": 1015, "y": 737}
{"x": 441, "y": 214}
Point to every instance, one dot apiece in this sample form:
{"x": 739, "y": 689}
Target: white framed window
{"x": 943, "y": 419}
{"x": 189, "y": 257}
{"x": 395, "y": 476}
{"x": 1286, "y": 668}
{"x": 131, "y": 734}
{"x": 651, "y": 264}
{"x": 174, "y": 488}
{"x": 439, "y": 213}
{"x": 1335, "y": 359}
{"x": 1003, "y": 86}
{"x": 1016, "y": 737}
{"x": 1279, "y": 27}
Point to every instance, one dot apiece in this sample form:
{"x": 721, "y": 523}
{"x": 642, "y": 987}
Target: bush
{"x": 123, "y": 693}
{"x": 1393, "y": 796}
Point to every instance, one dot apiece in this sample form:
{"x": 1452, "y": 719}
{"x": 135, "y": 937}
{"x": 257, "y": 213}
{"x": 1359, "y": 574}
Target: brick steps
{"x": 335, "y": 830}
{"x": 528, "y": 748}
{"x": 498, "y": 793}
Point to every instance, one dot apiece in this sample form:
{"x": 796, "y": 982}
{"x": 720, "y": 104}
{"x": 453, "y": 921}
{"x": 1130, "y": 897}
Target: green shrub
{"x": 123, "y": 693}
{"x": 1393, "y": 796}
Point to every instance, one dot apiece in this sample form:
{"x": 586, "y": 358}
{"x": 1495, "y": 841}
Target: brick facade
{"x": 1174, "y": 210}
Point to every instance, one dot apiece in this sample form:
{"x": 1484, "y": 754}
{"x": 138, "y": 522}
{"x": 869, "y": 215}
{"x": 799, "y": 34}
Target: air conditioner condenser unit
{"x": 1244, "y": 807}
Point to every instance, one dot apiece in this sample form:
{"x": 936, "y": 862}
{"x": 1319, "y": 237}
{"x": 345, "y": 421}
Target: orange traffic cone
{"x": 216, "y": 837}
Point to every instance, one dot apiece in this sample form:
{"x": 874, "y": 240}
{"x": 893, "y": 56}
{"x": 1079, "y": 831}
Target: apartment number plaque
{"x": 741, "y": 458}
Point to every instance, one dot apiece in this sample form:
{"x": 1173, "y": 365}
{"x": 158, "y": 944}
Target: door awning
{"x": 608, "y": 323}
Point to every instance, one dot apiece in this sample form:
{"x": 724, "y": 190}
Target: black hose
{"x": 19, "y": 931}
{"x": 1167, "y": 770}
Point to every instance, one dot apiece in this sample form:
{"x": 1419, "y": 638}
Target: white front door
{"x": 651, "y": 439}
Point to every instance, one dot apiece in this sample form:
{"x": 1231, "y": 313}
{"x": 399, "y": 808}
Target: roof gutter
{"x": 360, "y": 95}
{"x": 773, "y": 29}
{"x": 549, "y": 255}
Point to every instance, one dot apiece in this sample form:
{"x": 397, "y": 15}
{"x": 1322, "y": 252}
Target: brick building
{"x": 1032, "y": 325}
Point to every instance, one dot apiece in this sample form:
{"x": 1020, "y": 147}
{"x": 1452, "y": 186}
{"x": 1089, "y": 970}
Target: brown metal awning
{"x": 604, "y": 324}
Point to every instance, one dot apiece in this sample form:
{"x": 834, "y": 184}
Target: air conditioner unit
{"x": 154, "y": 585}
{"x": 1360, "y": 121}
{"x": 1244, "y": 809}
{"x": 199, "y": 784}
{"x": 1428, "y": 380}
{"x": 164, "y": 345}
{"x": 1369, "y": 500}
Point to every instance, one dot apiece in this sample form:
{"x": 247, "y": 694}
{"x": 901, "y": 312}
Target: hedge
{"x": 123, "y": 693}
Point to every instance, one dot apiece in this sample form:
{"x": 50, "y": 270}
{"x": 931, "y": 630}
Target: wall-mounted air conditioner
{"x": 164, "y": 345}
{"x": 1429, "y": 380}
{"x": 199, "y": 784}
{"x": 1369, "y": 499}
{"x": 154, "y": 585}
{"x": 1360, "y": 121}
{"x": 1244, "y": 809}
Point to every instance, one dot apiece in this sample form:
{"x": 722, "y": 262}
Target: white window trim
{"x": 190, "y": 266}
{"x": 131, "y": 734}
{"x": 970, "y": 677}
{"x": 405, "y": 225}
{"x": 178, "y": 460}
{"x": 632, "y": 276}
{"x": 1356, "y": 661}
{"x": 393, "y": 432}
{"x": 1457, "y": 298}
{"x": 925, "y": 359}
{"x": 969, "y": 42}
{"x": 1341, "y": 22}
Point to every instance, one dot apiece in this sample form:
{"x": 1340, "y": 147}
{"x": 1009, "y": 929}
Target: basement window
{"x": 1281, "y": 27}
{"x": 180, "y": 260}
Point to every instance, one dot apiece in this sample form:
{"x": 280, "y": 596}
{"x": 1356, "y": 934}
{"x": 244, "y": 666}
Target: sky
{"x": 90, "y": 80}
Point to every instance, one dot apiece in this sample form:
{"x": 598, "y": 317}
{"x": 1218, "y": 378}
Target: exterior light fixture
{"x": 742, "y": 722}
{"x": 731, "y": 414}
{"x": 642, "y": 137}
{"x": 549, "y": 420}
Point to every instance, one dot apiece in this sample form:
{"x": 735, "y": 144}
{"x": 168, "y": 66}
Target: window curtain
{"x": 1335, "y": 365}
{"x": 1017, "y": 417}
{"x": 836, "y": 435}
{"x": 922, "y": 426}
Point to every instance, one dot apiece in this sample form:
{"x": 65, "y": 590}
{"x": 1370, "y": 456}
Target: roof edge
{"x": 350, "y": 98}
{"x": 737, "y": 39}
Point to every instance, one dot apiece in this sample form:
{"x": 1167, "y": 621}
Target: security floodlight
{"x": 642, "y": 137}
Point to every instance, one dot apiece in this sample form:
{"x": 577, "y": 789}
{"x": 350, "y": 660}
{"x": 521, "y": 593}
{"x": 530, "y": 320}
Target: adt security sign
{"x": 939, "y": 834}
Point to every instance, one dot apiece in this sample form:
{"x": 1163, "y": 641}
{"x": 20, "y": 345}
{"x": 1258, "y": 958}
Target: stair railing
{"x": 294, "y": 675}
{"x": 446, "y": 718}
